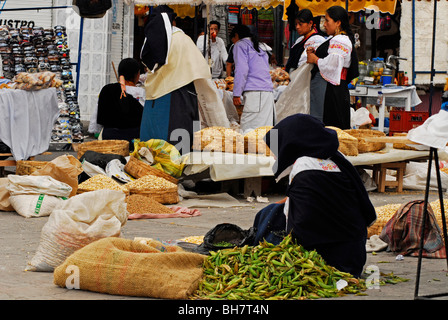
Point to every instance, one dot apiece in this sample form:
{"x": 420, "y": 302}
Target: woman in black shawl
{"x": 327, "y": 206}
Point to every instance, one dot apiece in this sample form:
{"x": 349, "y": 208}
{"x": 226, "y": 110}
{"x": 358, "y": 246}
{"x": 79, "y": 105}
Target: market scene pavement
{"x": 20, "y": 238}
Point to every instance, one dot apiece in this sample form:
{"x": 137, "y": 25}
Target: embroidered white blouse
{"x": 308, "y": 163}
{"x": 314, "y": 42}
{"x": 339, "y": 52}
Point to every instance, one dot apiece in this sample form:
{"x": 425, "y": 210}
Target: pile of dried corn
{"x": 100, "y": 182}
{"x": 140, "y": 204}
{"x": 150, "y": 182}
{"x": 272, "y": 272}
{"x": 383, "y": 214}
{"x": 386, "y": 212}
{"x": 193, "y": 239}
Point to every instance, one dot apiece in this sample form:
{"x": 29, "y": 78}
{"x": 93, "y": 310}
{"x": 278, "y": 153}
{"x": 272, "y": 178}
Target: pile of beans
{"x": 140, "y": 204}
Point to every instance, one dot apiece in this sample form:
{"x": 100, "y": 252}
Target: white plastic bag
{"x": 115, "y": 169}
{"x": 79, "y": 221}
{"x": 416, "y": 174}
{"x": 359, "y": 117}
{"x": 35, "y": 205}
{"x": 91, "y": 169}
{"x": 37, "y": 185}
{"x": 296, "y": 96}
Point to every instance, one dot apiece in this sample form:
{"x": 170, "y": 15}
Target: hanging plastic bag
{"x": 296, "y": 97}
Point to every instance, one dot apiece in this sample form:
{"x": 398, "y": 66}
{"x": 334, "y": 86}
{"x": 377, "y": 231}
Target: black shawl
{"x": 303, "y": 135}
{"x": 155, "y": 48}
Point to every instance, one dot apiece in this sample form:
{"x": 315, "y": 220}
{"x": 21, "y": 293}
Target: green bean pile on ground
{"x": 272, "y": 272}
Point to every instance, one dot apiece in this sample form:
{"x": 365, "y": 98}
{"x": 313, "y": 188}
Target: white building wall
{"x": 424, "y": 12}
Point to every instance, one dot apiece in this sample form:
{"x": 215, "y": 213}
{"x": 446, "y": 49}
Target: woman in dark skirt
{"x": 338, "y": 64}
{"x": 327, "y": 206}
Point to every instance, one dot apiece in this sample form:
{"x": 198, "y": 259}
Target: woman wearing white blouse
{"x": 338, "y": 65}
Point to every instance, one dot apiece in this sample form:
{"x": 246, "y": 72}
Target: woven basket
{"x": 170, "y": 196}
{"x": 120, "y": 147}
{"x": 138, "y": 169}
{"x": 81, "y": 190}
{"x": 26, "y": 167}
{"x": 367, "y": 146}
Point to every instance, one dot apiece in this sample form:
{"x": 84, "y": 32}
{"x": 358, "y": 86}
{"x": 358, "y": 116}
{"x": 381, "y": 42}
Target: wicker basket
{"x": 81, "y": 190}
{"x": 26, "y": 167}
{"x": 170, "y": 196}
{"x": 120, "y": 147}
{"x": 138, "y": 169}
{"x": 367, "y": 146}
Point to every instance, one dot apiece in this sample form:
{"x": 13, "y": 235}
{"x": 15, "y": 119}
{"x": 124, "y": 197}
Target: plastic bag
{"x": 226, "y": 235}
{"x": 35, "y": 205}
{"x": 79, "y": 221}
{"x": 296, "y": 97}
{"x": 115, "y": 169}
{"x": 101, "y": 159}
{"x": 166, "y": 157}
{"x": 37, "y": 185}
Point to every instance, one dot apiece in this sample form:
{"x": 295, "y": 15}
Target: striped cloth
{"x": 403, "y": 232}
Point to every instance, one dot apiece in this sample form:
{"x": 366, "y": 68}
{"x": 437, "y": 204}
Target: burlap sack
{"x": 131, "y": 268}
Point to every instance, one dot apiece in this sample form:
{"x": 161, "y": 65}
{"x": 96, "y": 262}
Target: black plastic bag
{"x": 225, "y": 235}
{"x": 101, "y": 159}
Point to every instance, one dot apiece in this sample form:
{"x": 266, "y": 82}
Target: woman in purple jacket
{"x": 252, "y": 80}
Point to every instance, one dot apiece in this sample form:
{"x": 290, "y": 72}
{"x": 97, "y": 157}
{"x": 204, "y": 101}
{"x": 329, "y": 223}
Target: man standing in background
{"x": 218, "y": 50}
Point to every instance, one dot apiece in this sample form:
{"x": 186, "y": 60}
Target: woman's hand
{"x": 311, "y": 56}
{"x": 237, "y": 101}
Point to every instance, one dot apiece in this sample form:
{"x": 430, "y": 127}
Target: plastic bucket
{"x": 386, "y": 79}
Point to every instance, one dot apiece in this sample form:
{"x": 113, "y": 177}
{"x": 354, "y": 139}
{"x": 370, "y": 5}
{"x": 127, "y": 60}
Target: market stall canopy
{"x": 257, "y": 4}
{"x": 318, "y": 7}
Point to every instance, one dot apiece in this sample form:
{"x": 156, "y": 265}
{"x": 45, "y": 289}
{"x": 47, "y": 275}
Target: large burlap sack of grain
{"x": 80, "y": 220}
{"x": 131, "y": 268}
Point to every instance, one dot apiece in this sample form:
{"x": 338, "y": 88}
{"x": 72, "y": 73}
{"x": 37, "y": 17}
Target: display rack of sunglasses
{"x": 38, "y": 49}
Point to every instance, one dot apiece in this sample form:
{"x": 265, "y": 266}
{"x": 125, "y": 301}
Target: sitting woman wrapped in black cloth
{"x": 327, "y": 207}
